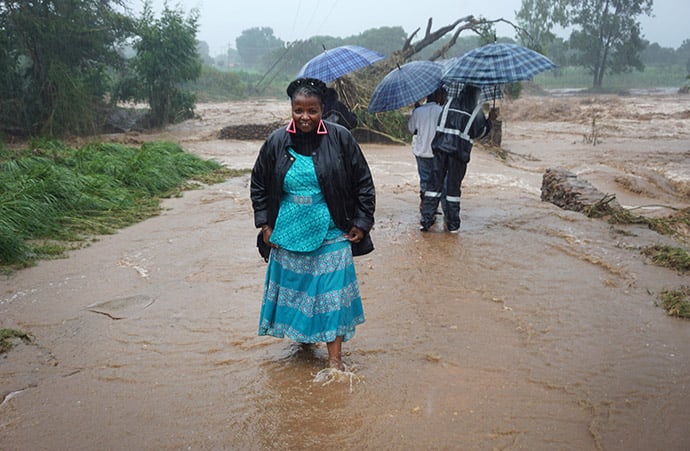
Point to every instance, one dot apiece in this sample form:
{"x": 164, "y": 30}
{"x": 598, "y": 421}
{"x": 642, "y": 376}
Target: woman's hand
{"x": 267, "y": 236}
{"x": 355, "y": 235}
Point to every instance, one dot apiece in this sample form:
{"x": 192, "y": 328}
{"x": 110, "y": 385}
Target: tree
{"x": 203, "y": 50}
{"x": 607, "y": 37}
{"x": 166, "y": 58}
{"x": 683, "y": 54}
{"x": 55, "y": 57}
{"x": 384, "y": 40}
{"x": 233, "y": 56}
{"x": 536, "y": 19}
{"x": 558, "y": 52}
{"x": 654, "y": 54}
{"x": 255, "y": 43}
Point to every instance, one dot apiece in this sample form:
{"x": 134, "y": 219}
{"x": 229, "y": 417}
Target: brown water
{"x": 534, "y": 328}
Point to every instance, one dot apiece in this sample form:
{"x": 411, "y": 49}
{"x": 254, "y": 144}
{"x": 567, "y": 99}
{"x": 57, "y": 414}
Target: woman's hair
{"x": 310, "y": 87}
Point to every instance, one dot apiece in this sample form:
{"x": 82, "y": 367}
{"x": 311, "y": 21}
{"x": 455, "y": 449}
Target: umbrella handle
{"x": 493, "y": 114}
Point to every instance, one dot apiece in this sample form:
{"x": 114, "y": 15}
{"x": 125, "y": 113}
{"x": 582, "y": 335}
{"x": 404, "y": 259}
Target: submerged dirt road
{"x": 535, "y": 328}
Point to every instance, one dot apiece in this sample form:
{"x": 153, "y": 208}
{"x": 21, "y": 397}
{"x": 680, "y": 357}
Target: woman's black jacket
{"x": 343, "y": 175}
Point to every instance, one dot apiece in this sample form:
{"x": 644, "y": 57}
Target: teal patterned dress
{"x": 311, "y": 292}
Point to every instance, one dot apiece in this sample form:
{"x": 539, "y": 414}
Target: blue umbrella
{"x": 405, "y": 85}
{"x": 332, "y": 64}
{"x": 454, "y": 88}
{"x": 488, "y": 92}
{"x": 496, "y": 64}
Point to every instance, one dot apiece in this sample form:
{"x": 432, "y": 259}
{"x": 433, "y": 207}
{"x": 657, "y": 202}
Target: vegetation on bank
{"x": 669, "y": 257}
{"x": 7, "y": 335}
{"x": 676, "y": 302}
{"x": 54, "y": 197}
{"x": 675, "y": 225}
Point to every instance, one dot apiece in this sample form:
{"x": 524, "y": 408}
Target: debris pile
{"x": 566, "y": 190}
{"x": 249, "y": 132}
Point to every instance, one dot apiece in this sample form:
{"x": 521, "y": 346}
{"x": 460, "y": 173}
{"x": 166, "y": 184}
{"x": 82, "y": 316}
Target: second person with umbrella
{"x": 462, "y": 120}
{"x": 422, "y": 125}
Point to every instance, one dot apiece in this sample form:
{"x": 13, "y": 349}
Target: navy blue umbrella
{"x": 496, "y": 64}
{"x": 454, "y": 88}
{"x": 405, "y": 85}
{"x": 334, "y": 63}
{"x": 488, "y": 92}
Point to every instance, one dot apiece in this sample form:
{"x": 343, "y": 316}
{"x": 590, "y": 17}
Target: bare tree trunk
{"x": 430, "y": 37}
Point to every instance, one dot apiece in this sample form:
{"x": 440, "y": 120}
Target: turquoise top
{"x": 303, "y": 222}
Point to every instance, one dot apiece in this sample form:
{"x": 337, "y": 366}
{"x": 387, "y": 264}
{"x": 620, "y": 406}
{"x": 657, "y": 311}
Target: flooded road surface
{"x": 534, "y": 328}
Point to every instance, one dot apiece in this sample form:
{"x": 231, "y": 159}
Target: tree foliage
{"x": 255, "y": 43}
{"x": 656, "y": 55}
{"x": 683, "y": 53}
{"x": 606, "y": 36}
{"x": 204, "y": 52}
{"x": 536, "y": 19}
{"x": 558, "y": 51}
{"x": 58, "y": 59}
{"x": 166, "y": 58}
{"x": 286, "y": 61}
{"x": 55, "y": 57}
{"x": 384, "y": 40}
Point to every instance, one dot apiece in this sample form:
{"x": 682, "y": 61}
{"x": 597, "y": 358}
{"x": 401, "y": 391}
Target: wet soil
{"x": 534, "y": 328}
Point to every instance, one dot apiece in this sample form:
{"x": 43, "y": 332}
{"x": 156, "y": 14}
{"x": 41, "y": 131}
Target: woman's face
{"x": 306, "y": 112}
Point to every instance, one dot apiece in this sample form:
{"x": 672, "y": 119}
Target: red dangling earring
{"x": 321, "y": 130}
{"x": 291, "y": 128}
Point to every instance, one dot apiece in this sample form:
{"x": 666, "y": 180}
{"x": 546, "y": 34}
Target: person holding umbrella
{"x": 313, "y": 198}
{"x": 422, "y": 124}
{"x": 462, "y": 120}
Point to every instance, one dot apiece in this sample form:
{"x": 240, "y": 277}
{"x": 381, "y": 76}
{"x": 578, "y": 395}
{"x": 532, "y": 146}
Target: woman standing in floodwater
{"x": 313, "y": 197}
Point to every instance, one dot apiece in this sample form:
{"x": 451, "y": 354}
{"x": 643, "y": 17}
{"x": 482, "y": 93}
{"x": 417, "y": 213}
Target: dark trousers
{"x": 453, "y": 171}
{"x": 425, "y": 166}
{"x": 425, "y": 169}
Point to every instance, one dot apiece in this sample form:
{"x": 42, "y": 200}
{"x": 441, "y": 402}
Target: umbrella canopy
{"x": 332, "y": 64}
{"x": 405, "y": 85}
{"x": 488, "y": 92}
{"x": 497, "y": 64}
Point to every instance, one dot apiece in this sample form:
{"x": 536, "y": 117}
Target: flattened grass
{"x": 6, "y": 336}
{"x": 676, "y": 302}
{"x": 669, "y": 257}
{"x": 52, "y": 195}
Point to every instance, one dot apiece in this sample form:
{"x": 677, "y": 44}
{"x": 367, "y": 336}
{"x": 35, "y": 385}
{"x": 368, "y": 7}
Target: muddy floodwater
{"x": 535, "y": 328}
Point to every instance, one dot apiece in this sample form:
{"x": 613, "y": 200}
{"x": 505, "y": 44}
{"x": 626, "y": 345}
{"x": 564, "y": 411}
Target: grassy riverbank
{"x": 54, "y": 198}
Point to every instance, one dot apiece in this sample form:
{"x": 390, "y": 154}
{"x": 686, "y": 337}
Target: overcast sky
{"x": 222, "y": 21}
